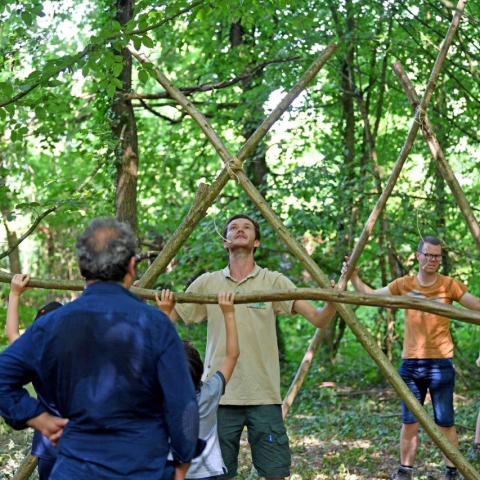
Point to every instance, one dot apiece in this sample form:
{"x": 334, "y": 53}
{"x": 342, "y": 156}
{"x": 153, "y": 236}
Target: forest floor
{"x": 343, "y": 429}
{"x": 347, "y": 434}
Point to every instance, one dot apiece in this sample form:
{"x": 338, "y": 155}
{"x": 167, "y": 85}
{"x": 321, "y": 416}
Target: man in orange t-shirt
{"x": 427, "y": 348}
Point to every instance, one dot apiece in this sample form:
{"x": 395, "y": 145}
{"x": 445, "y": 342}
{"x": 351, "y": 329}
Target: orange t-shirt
{"x": 428, "y": 335}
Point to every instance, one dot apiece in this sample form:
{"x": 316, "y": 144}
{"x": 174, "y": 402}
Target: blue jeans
{"x": 45, "y": 468}
{"x": 436, "y": 375}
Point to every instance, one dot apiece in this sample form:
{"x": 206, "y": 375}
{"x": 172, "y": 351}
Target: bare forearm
{"x": 11, "y": 326}
{"x": 232, "y": 348}
{"x": 359, "y": 285}
{"x": 174, "y": 316}
{"x": 324, "y": 315}
{"x": 181, "y": 471}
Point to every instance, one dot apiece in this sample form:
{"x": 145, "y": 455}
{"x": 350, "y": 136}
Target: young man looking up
{"x": 252, "y": 397}
{"x": 427, "y": 348}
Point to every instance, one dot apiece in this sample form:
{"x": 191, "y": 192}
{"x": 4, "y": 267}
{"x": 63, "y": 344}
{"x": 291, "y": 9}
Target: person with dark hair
{"x": 114, "y": 368}
{"x": 209, "y": 465}
{"x": 427, "y": 363}
{"x": 42, "y": 448}
{"x": 252, "y": 398}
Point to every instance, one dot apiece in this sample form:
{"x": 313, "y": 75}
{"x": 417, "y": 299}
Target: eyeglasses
{"x": 431, "y": 256}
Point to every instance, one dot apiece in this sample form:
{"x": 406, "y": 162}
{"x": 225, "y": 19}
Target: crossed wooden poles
{"x": 207, "y": 194}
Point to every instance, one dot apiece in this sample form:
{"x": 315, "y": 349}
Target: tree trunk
{"x": 348, "y": 217}
{"x": 125, "y": 129}
{"x": 13, "y": 257}
{"x": 257, "y": 168}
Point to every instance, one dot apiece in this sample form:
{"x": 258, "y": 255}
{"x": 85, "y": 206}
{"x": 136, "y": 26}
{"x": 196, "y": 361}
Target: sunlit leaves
{"x": 143, "y": 76}
{"x": 40, "y": 113}
{"x": 147, "y": 41}
{"x": 117, "y": 69}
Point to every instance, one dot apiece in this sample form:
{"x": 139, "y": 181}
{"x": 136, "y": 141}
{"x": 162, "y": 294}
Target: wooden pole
{"x": 362, "y": 334}
{"x": 26, "y": 468}
{"x": 302, "y": 371}
{"x": 407, "y": 146}
{"x": 199, "y": 210}
{"x": 71, "y": 285}
{"x": 438, "y": 155}
{"x": 326, "y": 294}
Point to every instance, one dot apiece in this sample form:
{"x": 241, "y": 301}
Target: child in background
{"x": 210, "y": 463}
{"x": 41, "y": 446}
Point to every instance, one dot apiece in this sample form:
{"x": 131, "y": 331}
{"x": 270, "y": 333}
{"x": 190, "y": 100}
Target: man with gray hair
{"x": 113, "y": 366}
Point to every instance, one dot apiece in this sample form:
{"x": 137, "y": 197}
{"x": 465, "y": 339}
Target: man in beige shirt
{"x": 427, "y": 348}
{"x": 252, "y": 398}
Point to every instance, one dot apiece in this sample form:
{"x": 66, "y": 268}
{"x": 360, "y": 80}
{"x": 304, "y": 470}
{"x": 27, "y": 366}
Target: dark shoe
{"x": 403, "y": 474}
{"x": 452, "y": 474}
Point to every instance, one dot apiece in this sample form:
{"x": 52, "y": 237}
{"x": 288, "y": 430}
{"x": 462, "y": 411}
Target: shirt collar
{"x": 253, "y": 273}
{"x": 108, "y": 288}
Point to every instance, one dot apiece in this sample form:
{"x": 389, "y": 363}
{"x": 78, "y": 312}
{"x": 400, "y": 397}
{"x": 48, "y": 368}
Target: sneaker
{"x": 452, "y": 474}
{"x": 403, "y": 474}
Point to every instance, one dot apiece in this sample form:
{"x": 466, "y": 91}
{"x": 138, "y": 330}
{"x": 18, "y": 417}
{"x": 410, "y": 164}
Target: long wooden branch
{"x": 180, "y": 98}
{"x": 173, "y": 121}
{"x": 451, "y": 7}
{"x": 26, "y": 468}
{"x": 438, "y": 155}
{"x": 89, "y": 48}
{"x": 407, "y": 146}
{"x": 329, "y": 295}
{"x": 302, "y": 371}
{"x": 207, "y": 194}
{"x": 207, "y": 87}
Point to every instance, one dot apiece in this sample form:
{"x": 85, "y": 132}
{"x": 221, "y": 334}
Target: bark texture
{"x": 125, "y": 129}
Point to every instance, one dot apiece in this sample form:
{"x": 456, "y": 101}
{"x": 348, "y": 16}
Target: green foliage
{"x": 52, "y": 138}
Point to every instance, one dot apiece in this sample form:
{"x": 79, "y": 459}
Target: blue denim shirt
{"x": 115, "y": 367}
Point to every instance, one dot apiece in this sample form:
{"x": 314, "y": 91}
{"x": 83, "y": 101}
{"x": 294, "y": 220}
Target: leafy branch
{"x": 208, "y": 86}
{"x": 90, "y": 48}
{"x": 59, "y": 204}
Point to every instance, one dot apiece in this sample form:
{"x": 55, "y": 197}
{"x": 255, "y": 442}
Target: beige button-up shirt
{"x": 256, "y": 379}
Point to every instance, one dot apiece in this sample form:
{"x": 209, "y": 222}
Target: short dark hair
{"x": 104, "y": 250}
{"x": 256, "y": 226}
{"x": 430, "y": 240}
{"x": 195, "y": 363}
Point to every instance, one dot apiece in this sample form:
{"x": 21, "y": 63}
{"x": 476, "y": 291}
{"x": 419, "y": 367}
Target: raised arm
{"x": 17, "y": 287}
{"x": 470, "y": 301}
{"x": 232, "y": 351}
{"x": 359, "y": 285}
{"x": 318, "y": 317}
